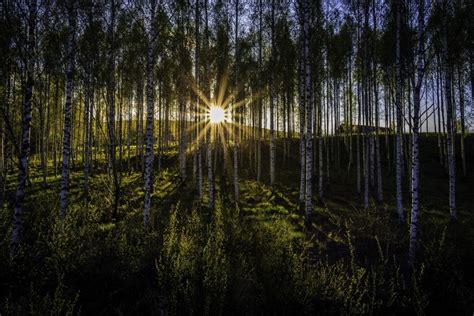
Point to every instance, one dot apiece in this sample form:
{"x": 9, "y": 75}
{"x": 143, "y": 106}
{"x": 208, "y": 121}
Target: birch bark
{"x": 398, "y": 95}
{"x": 415, "y": 163}
{"x": 150, "y": 108}
{"x": 25, "y": 128}
{"x": 67, "y": 111}
{"x": 449, "y": 115}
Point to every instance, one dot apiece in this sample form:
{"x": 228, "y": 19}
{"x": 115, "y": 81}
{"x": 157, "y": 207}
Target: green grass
{"x": 254, "y": 257}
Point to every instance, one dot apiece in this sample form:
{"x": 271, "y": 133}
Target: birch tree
{"x": 302, "y": 100}
{"x": 29, "y": 21}
{"x": 70, "y": 56}
{"x": 88, "y": 98}
{"x": 398, "y": 104}
{"x": 272, "y": 96}
{"x": 308, "y": 102}
{"x": 415, "y": 163}
{"x": 150, "y": 108}
{"x": 198, "y": 109}
{"x": 207, "y": 91}
{"x": 260, "y": 102}
{"x": 111, "y": 113}
{"x": 449, "y": 110}
{"x": 236, "y": 100}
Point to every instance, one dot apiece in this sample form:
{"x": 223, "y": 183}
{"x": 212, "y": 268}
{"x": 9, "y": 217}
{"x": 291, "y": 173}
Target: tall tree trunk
{"x": 320, "y": 151}
{"x": 42, "y": 132}
{"x": 438, "y": 122}
{"x": 260, "y": 103}
{"x": 302, "y": 126}
{"x": 377, "y": 162}
{"x": 198, "y": 109}
{"x": 349, "y": 126}
{"x": 4, "y": 141}
{"x": 359, "y": 122}
{"x": 365, "y": 99}
{"x": 309, "y": 108}
{"x": 150, "y": 110}
{"x": 210, "y": 173}
{"x": 182, "y": 135}
{"x": 25, "y": 129}
{"x": 236, "y": 110}
{"x": 461, "y": 110}
{"x": 87, "y": 126}
{"x": 272, "y": 97}
{"x": 111, "y": 116}
{"x": 471, "y": 64}
{"x": 415, "y": 163}
{"x": 55, "y": 130}
{"x": 67, "y": 112}
{"x": 377, "y": 146}
{"x": 398, "y": 96}
{"x": 449, "y": 115}
{"x": 129, "y": 134}
{"x": 139, "y": 140}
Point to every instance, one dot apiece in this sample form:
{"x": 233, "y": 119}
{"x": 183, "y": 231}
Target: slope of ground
{"x": 252, "y": 257}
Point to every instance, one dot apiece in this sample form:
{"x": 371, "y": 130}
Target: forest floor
{"x": 255, "y": 256}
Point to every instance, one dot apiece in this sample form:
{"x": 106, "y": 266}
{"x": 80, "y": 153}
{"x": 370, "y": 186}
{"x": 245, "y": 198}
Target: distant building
{"x": 343, "y": 128}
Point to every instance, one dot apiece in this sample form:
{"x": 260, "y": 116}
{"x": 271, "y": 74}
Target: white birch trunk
{"x": 302, "y": 129}
{"x": 377, "y": 140}
{"x": 272, "y": 105}
{"x": 366, "y": 149}
{"x": 449, "y": 118}
{"x": 25, "y": 131}
{"x": 67, "y": 115}
{"x": 461, "y": 110}
{"x": 198, "y": 109}
{"x": 210, "y": 173}
{"x": 150, "y": 108}
{"x": 309, "y": 109}
{"x": 235, "y": 130}
{"x": 210, "y": 177}
{"x": 111, "y": 114}
{"x": 398, "y": 95}
{"x": 87, "y": 131}
{"x": 260, "y": 103}
{"x": 359, "y": 121}
{"x": 415, "y": 163}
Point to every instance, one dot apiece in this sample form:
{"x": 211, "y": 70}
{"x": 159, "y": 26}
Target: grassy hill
{"x": 253, "y": 257}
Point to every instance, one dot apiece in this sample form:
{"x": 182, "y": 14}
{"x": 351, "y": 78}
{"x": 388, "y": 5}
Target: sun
{"x": 216, "y": 114}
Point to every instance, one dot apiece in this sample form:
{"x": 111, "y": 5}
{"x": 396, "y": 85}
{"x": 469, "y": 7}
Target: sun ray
{"x": 227, "y": 101}
{"x": 201, "y": 96}
{"x": 228, "y": 164}
{"x": 193, "y": 125}
{"x": 201, "y": 135}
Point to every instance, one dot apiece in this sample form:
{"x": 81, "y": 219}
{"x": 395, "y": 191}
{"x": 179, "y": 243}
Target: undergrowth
{"x": 234, "y": 259}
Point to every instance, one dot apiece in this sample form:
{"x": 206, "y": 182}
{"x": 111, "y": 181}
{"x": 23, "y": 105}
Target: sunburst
{"x": 216, "y": 115}
{"x": 217, "y": 118}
